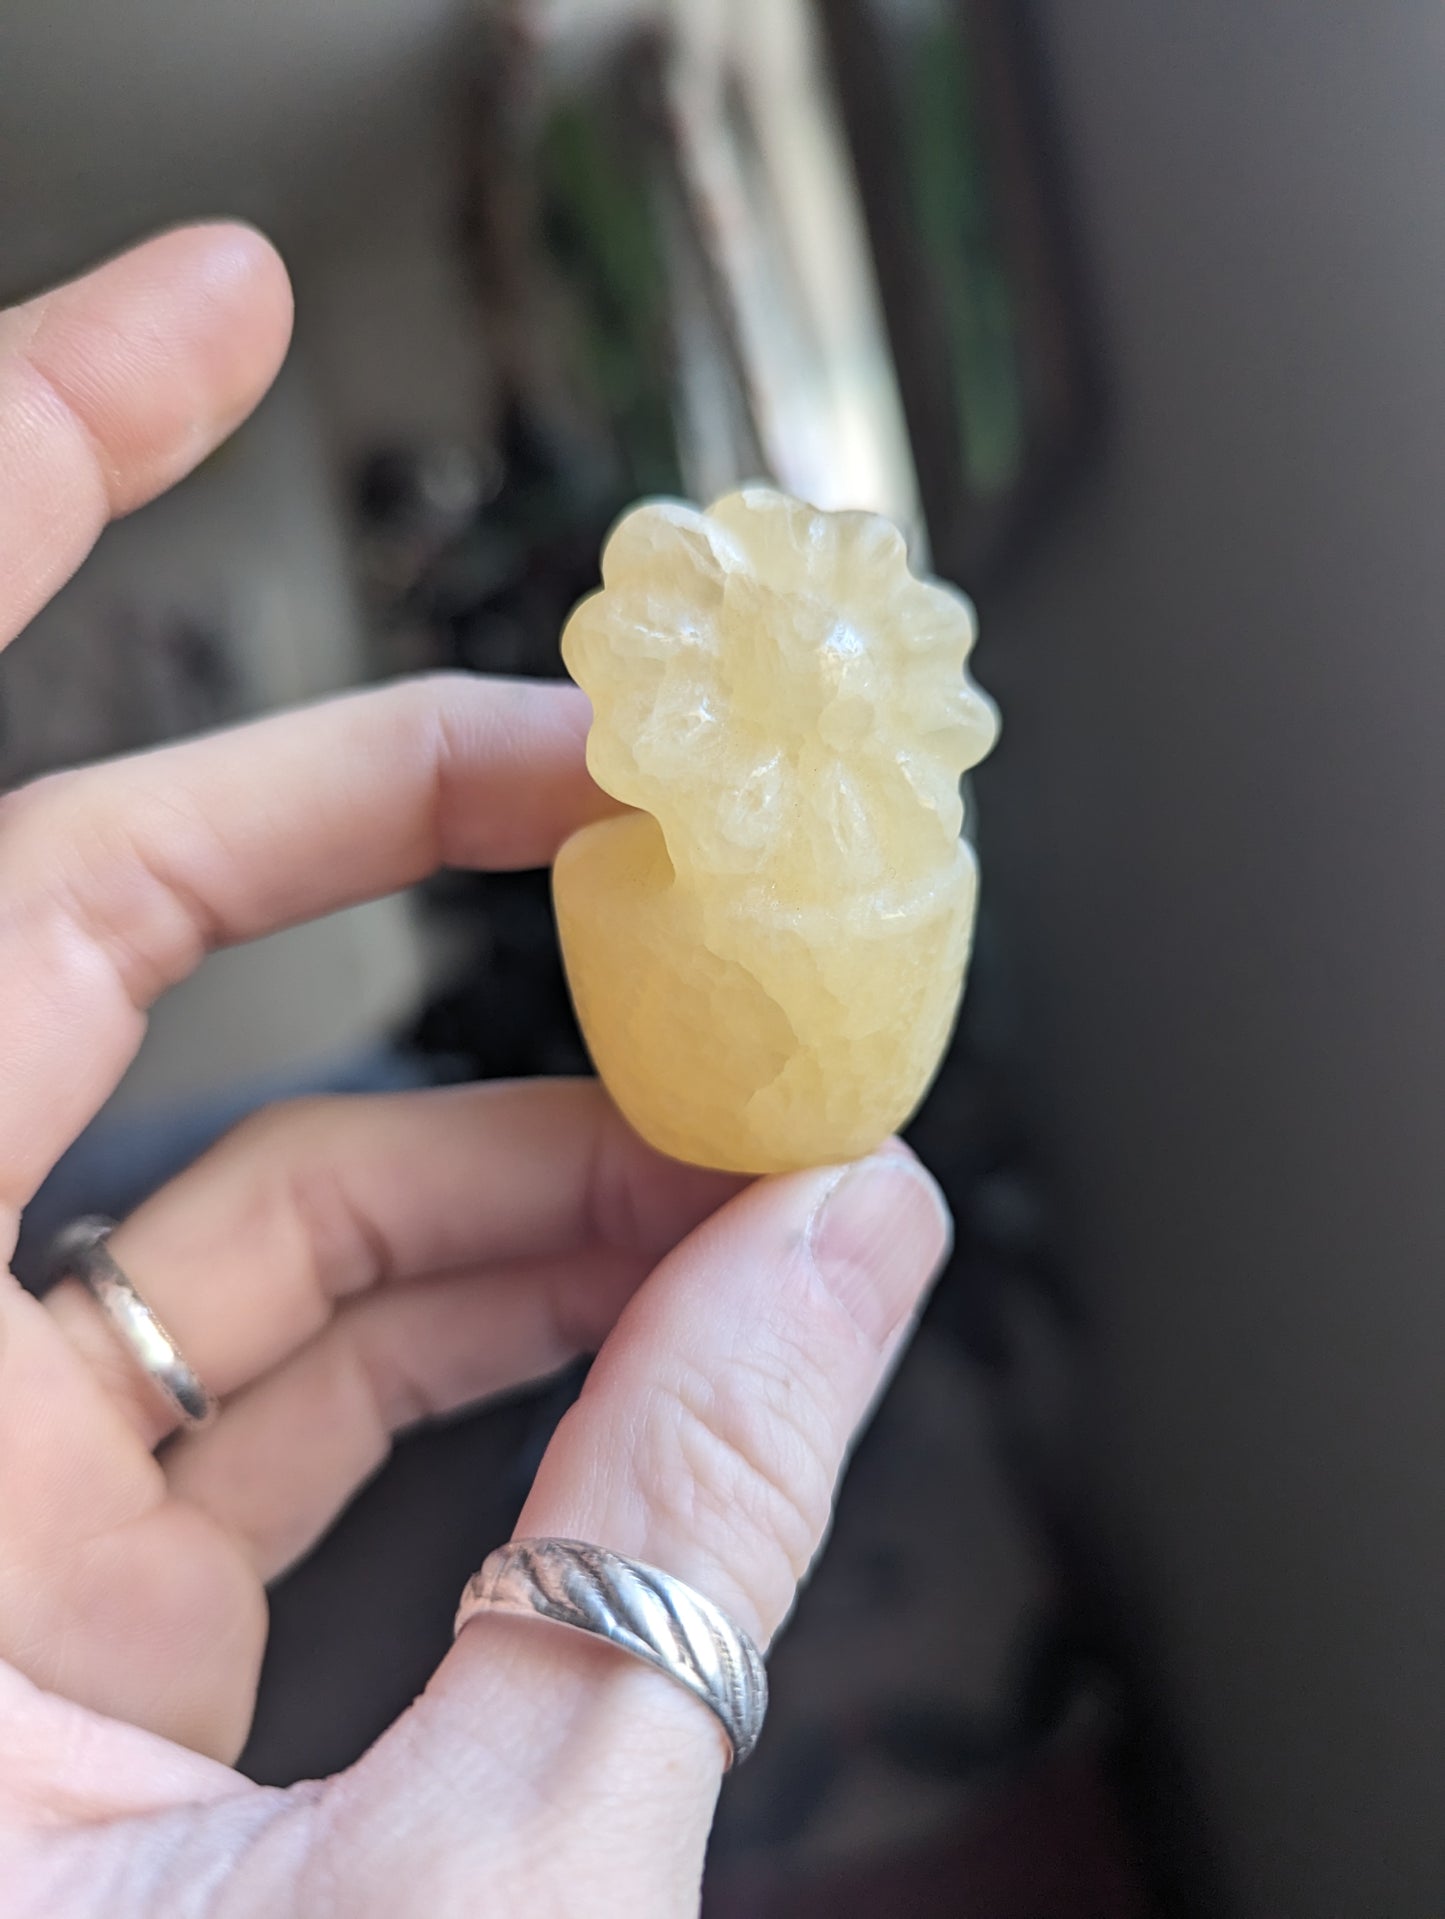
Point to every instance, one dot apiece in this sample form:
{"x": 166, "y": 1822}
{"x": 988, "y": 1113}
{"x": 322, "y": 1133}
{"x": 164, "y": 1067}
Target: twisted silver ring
{"x": 79, "y": 1252}
{"x": 642, "y": 1611}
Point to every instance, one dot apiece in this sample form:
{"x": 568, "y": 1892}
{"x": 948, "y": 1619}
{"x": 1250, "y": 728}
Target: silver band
{"x": 645, "y": 1612}
{"x": 80, "y": 1252}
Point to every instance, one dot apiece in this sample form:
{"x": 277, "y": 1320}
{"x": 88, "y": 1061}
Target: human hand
{"x": 338, "y": 1269}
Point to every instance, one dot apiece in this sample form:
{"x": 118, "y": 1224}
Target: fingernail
{"x": 877, "y": 1238}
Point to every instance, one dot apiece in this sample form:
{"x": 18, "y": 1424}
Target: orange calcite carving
{"x": 767, "y": 954}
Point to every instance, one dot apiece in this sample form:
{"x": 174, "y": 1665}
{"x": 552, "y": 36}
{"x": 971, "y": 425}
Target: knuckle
{"x": 446, "y": 687}
{"x": 95, "y": 851}
{"x": 348, "y": 1251}
{"x": 743, "y": 1462}
{"x": 298, "y": 1199}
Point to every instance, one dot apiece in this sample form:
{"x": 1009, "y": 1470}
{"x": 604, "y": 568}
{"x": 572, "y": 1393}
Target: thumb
{"x": 708, "y": 1442}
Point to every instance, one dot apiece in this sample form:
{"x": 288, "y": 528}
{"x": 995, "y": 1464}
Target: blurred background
{"x": 1132, "y": 316}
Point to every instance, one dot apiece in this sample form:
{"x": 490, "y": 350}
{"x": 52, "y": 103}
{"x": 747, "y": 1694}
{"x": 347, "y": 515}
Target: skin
{"x": 338, "y": 1269}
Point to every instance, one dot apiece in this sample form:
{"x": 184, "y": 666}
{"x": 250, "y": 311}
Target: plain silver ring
{"x": 638, "y": 1609}
{"x": 80, "y": 1252}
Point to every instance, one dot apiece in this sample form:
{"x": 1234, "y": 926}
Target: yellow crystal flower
{"x": 767, "y": 955}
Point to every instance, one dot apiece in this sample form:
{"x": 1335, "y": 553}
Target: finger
{"x": 707, "y": 1441}
{"x": 290, "y": 1451}
{"x": 124, "y": 1598}
{"x": 718, "y": 1417}
{"x": 113, "y": 387}
{"x": 248, "y": 1255}
{"x": 117, "y": 880}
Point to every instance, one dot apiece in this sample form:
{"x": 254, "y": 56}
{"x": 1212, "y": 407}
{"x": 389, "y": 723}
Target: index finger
{"x": 113, "y": 387}
{"x": 115, "y": 881}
